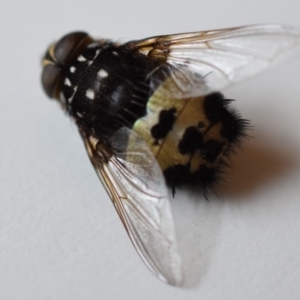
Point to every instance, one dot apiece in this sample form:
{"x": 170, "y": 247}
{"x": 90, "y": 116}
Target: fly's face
{"x": 149, "y": 113}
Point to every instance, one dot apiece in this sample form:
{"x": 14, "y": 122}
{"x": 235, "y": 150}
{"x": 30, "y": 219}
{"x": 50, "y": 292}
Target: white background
{"x": 60, "y": 237}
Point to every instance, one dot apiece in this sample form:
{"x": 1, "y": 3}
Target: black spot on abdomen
{"x": 191, "y": 141}
{"x": 214, "y": 107}
{"x": 217, "y": 109}
{"x": 211, "y": 150}
{"x": 165, "y": 124}
{"x": 180, "y": 175}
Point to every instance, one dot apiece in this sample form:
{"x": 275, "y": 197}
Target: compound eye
{"x": 67, "y": 45}
{"x": 51, "y": 77}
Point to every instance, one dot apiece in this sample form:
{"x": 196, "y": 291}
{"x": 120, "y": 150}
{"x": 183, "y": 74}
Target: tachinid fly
{"x": 150, "y": 115}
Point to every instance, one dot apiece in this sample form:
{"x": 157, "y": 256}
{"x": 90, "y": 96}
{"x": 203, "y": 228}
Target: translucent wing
{"x": 136, "y": 186}
{"x": 206, "y": 61}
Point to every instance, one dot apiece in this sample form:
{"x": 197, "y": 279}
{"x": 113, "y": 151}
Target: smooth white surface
{"x": 60, "y": 237}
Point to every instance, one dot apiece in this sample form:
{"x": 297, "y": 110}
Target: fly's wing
{"x": 202, "y": 62}
{"x": 136, "y": 186}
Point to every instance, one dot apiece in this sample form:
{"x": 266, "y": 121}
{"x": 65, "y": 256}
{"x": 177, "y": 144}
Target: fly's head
{"x": 57, "y": 62}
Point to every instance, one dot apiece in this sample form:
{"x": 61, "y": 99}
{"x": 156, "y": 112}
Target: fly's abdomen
{"x": 189, "y": 137}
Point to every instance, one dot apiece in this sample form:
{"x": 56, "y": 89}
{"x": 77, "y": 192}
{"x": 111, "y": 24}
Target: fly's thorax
{"x": 109, "y": 91}
{"x": 188, "y": 137}
{"x": 102, "y": 85}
